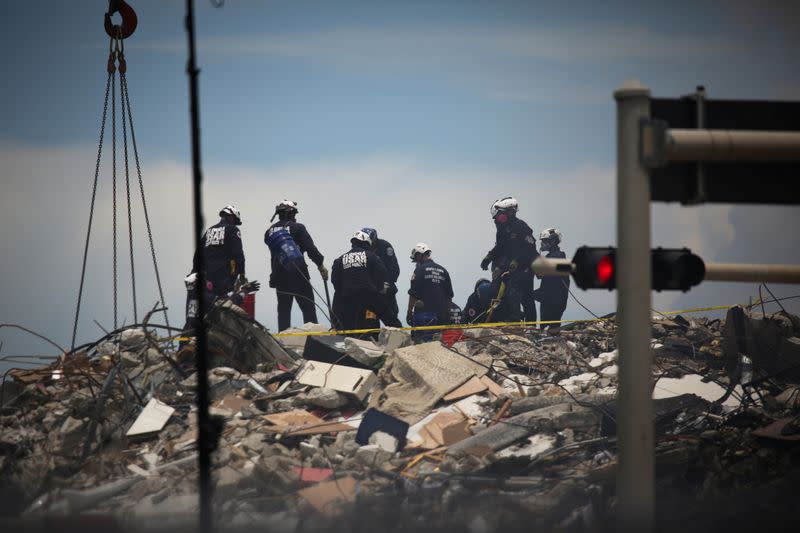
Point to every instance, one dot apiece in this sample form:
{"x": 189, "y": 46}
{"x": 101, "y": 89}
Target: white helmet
{"x": 508, "y": 203}
{"x": 420, "y": 248}
{"x": 550, "y": 234}
{"x": 231, "y": 211}
{"x": 361, "y": 236}
{"x": 286, "y": 206}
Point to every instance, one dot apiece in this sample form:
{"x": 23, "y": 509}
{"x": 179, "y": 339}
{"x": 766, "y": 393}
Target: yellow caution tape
{"x": 481, "y": 325}
{"x": 488, "y": 324}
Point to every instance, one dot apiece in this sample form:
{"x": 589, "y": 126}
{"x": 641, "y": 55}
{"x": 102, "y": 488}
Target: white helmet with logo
{"x": 231, "y": 211}
{"x": 287, "y": 207}
{"x": 361, "y": 236}
{"x": 508, "y": 203}
{"x": 550, "y": 234}
{"x": 420, "y": 248}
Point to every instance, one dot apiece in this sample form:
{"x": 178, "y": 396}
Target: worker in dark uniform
{"x": 358, "y": 276}
{"x": 431, "y": 290}
{"x": 385, "y": 252}
{"x": 222, "y": 253}
{"x": 478, "y": 303}
{"x": 292, "y": 281}
{"x": 511, "y": 258}
{"x": 553, "y": 291}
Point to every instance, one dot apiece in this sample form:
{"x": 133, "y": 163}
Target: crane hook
{"x": 129, "y": 19}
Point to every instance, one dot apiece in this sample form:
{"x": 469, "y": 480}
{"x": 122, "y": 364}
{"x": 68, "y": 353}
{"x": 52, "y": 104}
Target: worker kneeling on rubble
{"x": 478, "y": 302}
{"x": 223, "y": 262}
{"x": 431, "y": 291}
{"x": 358, "y": 278}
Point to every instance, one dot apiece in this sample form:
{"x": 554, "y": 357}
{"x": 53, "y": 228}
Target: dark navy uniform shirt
{"x": 514, "y": 241}
{"x": 357, "y": 271}
{"x": 221, "y": 246}
{"x": 431, "y": 284}
{"x": 554, "y": 290}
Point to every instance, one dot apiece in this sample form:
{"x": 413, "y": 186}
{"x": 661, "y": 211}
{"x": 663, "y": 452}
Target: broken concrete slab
{"x": 393, "y": 338}
{"x": 423, "y": 374}
{"x": 365, "y": 352}
{"x": 513, "y": 429}
{"x": 324, "y": 397}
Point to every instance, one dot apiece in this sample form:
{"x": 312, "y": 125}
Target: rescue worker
{"x": 358, "y": 276}
{"x": 431, "y": 290}
{"x": 478, "y": 302}
{"x": 385, "y": 252}
{"x": 221, "y": 249}
{"x": 553, "y": 291}
{"x": 293, "y": 282}
{"x": 511, "y": 258}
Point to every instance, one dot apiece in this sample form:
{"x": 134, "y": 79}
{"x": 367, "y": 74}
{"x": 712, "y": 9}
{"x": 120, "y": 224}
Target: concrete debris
{"x": 502, "y": 430}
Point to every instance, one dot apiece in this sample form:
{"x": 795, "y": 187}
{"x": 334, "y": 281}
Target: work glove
{"x": 252, "y": 286}
{"x": 323, "y": 272}
{"x": 485, "y": 262}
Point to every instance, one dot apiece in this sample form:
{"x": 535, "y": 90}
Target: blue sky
{"x": 411, "y": 117}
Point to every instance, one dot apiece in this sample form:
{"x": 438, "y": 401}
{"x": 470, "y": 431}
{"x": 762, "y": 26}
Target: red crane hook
{"x": 129, "y": 20}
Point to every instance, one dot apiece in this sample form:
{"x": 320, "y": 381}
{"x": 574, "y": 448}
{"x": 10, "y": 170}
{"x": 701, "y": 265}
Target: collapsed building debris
{"x": 500, "y": 430}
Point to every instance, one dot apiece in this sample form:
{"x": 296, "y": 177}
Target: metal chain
{"x": 114, "y": 188}
{"x": 128, "y": 189}
{"x": 127, "y": 103}
{"x": 91, "y": 208}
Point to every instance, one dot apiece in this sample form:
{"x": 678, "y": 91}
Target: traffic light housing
{"x": 595, "y": 268}
{"x": 672, "y": 268}
{"x": 676, "y": 269}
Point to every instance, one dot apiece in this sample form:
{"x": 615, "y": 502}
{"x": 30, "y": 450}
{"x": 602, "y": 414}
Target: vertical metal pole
{"x": 636, "y": 475}
{"x": 204, "y": 433}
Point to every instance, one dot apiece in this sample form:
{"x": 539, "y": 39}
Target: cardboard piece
{"x": 473, "y": 385}
{"x": 152, "y": 419}
{"x": 300, "y": 422}
{"x": 354, "y": 382}
{"x": 309, "y": 474}
{"x": 445, "y": 429}
{"x": 493, "y": 387}
{"x": 233, "y": 403}
{"x": 328, "y": 497}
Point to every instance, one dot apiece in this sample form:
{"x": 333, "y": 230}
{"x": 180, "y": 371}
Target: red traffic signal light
{"x": 595, "y": 268}
{"x": 672, "y": 268}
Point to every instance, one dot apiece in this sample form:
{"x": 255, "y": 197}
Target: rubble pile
{"x": 483, "y": 430}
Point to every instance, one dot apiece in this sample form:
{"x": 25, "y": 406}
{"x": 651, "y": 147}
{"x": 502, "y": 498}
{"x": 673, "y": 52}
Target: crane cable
{"x": 117, "y": 64}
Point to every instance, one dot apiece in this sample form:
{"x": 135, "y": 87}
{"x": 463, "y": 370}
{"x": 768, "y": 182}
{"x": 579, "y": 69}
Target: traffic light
{"x": 672, "y": 268}
{"x": 595, "y": 268}
{"x": 676, "y": 269}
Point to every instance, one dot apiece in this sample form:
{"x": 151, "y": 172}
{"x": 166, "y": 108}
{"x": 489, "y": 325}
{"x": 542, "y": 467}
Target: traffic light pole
{"x": 752, "y": 273}
{"x": 636, "y": 474}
